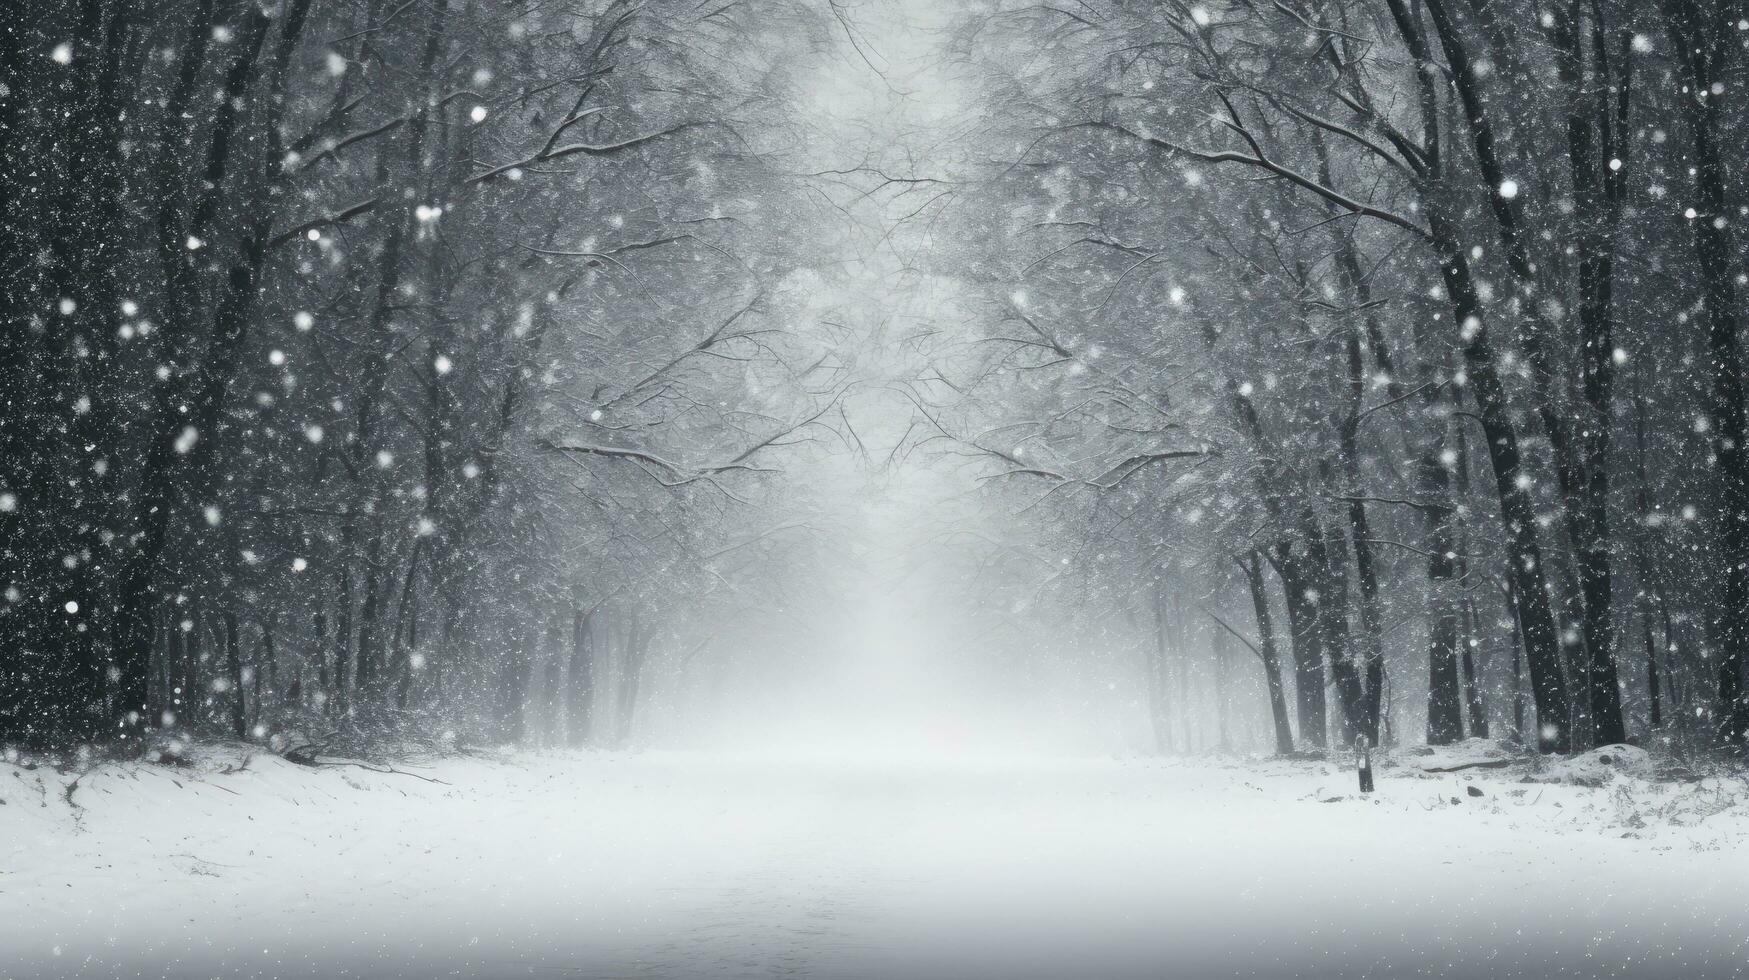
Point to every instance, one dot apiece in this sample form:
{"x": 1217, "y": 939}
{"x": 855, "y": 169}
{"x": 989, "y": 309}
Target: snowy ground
{"x": 670, "y": 865}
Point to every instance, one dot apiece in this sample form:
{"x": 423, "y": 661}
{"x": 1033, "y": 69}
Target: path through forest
{"x": 673, "y": 865}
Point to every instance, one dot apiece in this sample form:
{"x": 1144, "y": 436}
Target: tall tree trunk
{"x": 376, "y": 579}
{"x": 1223, "y": 736}
{"x": 1651, "y": 588}
{"x": 1185, "y": 715}
{"x": 1348, "y": 451}
{"x": 1654, "y": 698}
{"x": 1158, "y": 718}
{"x": 1284, "y": 736}
{"x": 193, "y": 698}
{"x": 1470, "y": 636}
{"x": 580, "y": 693}
{"x": 1572, "y": 478}
{"x": 1524, "y": 551}
{"x": 342, "y": 694}
{"x": 1444, "y": 702}
{"x": 1515, "y": 636}
{"x": 319, "y": 628}
{"x": 1306, "y": 640}
{"x": 270, "y": 661}
{"x": 1526, "y": 571}
{"x": 234, "y": 674}
{"x": 1445, "y": 723}
{"x": 187, "y": 413}
{"x": 512, "y": 699}
{"x": 409, "y": 660}
{"x": 1328, "y": 554}
{"x": 552, "y": 681}
{"x": 176, "y": 698}
{"x": 630, "y": 676}
{"x": 444, "y": 659}
{"x": 1593, "y": 134}
{"x": 1474, "y": 701}
{"x": 1703, "y": 34}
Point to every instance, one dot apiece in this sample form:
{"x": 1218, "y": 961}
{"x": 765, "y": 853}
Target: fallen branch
{"x": 305, "y": 754}
{"x": 1491, "y": 764}
{"x": 302, "y": 757}
{"x": 386, "y": 770}
{"x": 67, "y": 794}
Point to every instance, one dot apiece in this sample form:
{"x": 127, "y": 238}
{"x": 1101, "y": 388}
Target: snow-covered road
{"x": 670, "y": 865}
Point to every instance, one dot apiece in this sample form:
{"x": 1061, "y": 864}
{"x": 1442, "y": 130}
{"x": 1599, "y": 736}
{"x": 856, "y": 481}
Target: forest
{"x": 1278, "y": 382}
{"x": 412, "y": 367}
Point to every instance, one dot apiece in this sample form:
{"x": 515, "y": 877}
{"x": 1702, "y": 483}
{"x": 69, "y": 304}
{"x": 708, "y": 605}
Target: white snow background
{"x": 679, "y": 865}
